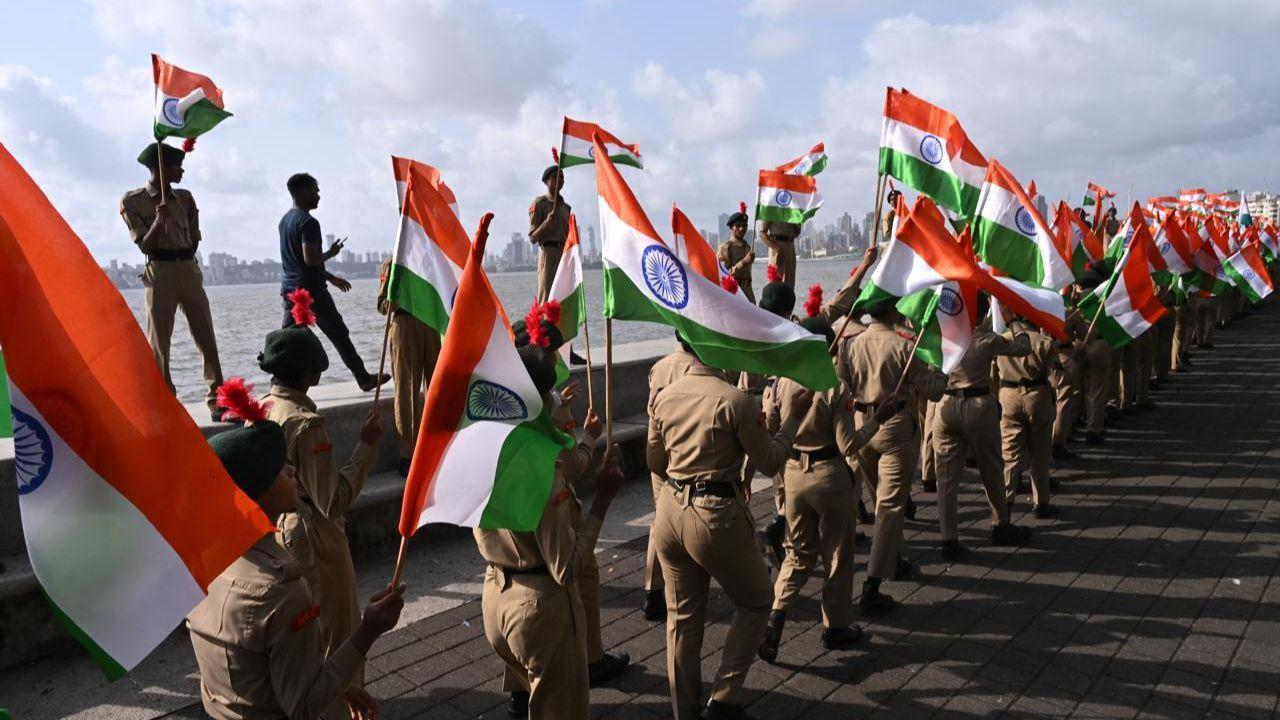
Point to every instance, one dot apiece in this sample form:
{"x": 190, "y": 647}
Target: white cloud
{"x": 724, "y": 105}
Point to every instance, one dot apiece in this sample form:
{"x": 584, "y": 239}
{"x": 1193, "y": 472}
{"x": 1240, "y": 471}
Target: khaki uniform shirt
{"x": 974, "y": 369}
{"x": 558, "y": 230}
{"x": 667, "y": 370}
{"x": 316, "y": 533}
{"x": 829, "y": 423}
{"x": 784, "y": 231}
{"x": 700, "y": 426}
{"x": 731, "y": 252}
{"x": 138, "y": 208}
{"x": 1042, "y": 363}
{"x": 872, "y": 362}
{"x": 257, "y": 641}
{"x": 843, "y": 300}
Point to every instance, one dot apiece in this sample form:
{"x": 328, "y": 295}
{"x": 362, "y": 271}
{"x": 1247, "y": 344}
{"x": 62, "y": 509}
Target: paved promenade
{"x": 1153, "y": 596}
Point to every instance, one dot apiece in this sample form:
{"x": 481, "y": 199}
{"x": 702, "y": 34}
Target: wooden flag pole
{"x": 404, "y": 549}
{"x": 160, "y": 167}
{"x": 386, "y": 331}
{"x": 905, "y": 368}
{"x": 608, "y": 381}
{"x": 586, "y": 346}
{"x": 875, "y": 233}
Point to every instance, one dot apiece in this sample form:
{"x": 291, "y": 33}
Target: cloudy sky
{"x": 1151, "y": 96}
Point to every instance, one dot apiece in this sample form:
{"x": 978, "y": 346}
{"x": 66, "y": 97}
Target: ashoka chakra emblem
{"x": 172, "y": 115}
{"x": 491, "y": 401}
{"x": 783, "y": 198}
{"x": 32, "y": 452}
{"x": 665, "y": 276}
{"x": 1249, "y": 274}
{"x": 1026, "y": 224}
{"x": 931, "y": 149}
{"x": 949, "y": 302}
{"x": 1165, "y": 247}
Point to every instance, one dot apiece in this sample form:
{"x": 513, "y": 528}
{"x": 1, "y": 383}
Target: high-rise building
{"x": 592, "y": 252}
{"x": 867, "y": 223}
{"x": 845, "y": 223}
{"x": 724, "y": 224}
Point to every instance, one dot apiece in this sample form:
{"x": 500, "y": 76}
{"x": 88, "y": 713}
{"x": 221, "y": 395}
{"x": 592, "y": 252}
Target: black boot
{"x": 864, "y": 517}
{"x": 841, "y": 638}
{"x": 952, "y": 550}
{"x": 774, "y": 533}
{"x": 518, "y": 706}
{"x": 1010, "y": 534}
{"x": 610, "y": 665}
{"x": 1062, "y": 452}
{"x": 873, "y": 601}
{"x": 1093, "y": 438}
{"x": 1046, "y": 512}
{"x": 717, "y": 710}
{"x": 768, "y": 651}
{"x": 904, "y": 569}
{"x": 655, "y": 606}
{"x": 911, "y": 508}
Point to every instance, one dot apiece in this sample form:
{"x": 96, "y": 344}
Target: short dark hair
{"x": 541, "y": 366}
{"x": 298, "y": 181}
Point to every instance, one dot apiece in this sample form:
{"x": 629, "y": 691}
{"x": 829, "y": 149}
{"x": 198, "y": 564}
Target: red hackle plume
{"x": 188, "y": 145}
{"x": 235, "y": 396}
{"x": 551, "y": 312}
{"x": 555, "y": 156}
{"x": 772, "y": 274}
{"x": 729, "y": 283}
{"x": 813, "y": 305}
{"x": 533, "y": 325}
{"x": 301, "y": 310}
{"x": 742, "y": 208}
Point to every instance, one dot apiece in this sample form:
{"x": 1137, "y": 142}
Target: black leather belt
{"x": 826, "y": 453}
{"x": 171, "y": 255}
{"x": 1023, "y": 383}
{"x": 871, "y": 407}
{"x": 969, "y": 392}
{"x": 539, "y": 570}
{"x": 716, "y": 488}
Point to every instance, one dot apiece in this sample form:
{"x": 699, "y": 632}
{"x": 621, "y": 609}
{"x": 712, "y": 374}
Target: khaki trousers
{"x": 820, "y": 522}
{"x": 537, "y": 628}
{"x": 1097, "y": 383}
{"x": 652, "y": 567}
{"x": 180, "y": 284}
{"x": 1026, "y": 434}
{"x": 414, "y": 349}
{"x": 548, "y": 263}
{"x": 1182, "y": 323}
{"x": 747, "y": 292}
{"x": 1206, "y": 314}
{"x": 1067, "y": 400}
{"x": 1164, "y": 331}
{"x": 890, "y": 457}
{"x": 928, "y": 463}
{"x": 1145, "y": 365}
{"x": 1127, "y": 374}
{"x": 965, "y": 426}
{"x": 701, "y": 538}
{"x": 783, "y": 257}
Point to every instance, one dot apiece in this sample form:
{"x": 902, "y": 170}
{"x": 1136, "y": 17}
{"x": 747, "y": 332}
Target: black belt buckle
{"x": 700, "y": 487}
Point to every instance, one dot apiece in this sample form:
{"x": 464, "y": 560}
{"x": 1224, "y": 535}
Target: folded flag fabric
{"x": 1127, "y": 302}
{"x": 486, "y": 450}
{"x": 431, "y": 246}
{"x": 127, "y": 513}
{"x": 576, "y": 147}
{"x": 695, "y": 251}
{"x": 786, "y": 198}
{"x": 645, "y": 280}
{"x": 1248, "y": 273}
{"x": 1011, "y": 236}
{"x": 187, "y": 104}
{"x": 946, "y": 314}
{"x": 6, "y": 417}
{"x": 811, "y": 163}
{"x": 925, "y": 148}
{"x": 567, "y": 290}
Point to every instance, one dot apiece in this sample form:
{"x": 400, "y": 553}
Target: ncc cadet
{"x": 819, "y": 503}
{"x": 1205, "y": 310}
{"x": 415, "y": 347}
{"x": 778, "y": 298}
{"x": 665, "y": 371}
{"x": 780, "y": 238}
{"x": 1165, "y": 329}
{"x": 1027, "y": 410}
{"x": 549, "y": 228}
{"x": 1069, "y": 393}
{"x": 1183, "y": 330}
{"x": 967, "y": 423}
{"x": 165, "y": 225}
{"x": 870, "y": 365}
{"x": 532, "y": 607}
{"x": 1097, "y": 372}
{"x": 315, "y": 532}
{"x": 736, "y": 254}
{"x": 700, "y": 427}
{"x": 256, "y": 635}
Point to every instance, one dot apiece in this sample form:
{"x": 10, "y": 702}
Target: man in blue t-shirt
{"x": 303, "y": 259}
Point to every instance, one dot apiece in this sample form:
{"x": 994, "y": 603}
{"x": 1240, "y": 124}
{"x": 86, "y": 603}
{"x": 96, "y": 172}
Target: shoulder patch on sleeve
{"x": 561, "y": 497}
{"x": 906, "y": 335}
{"x": 305, "y": 618}
{"x": 322, "y": 447}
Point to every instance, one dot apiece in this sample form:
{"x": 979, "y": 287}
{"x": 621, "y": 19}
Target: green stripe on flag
{"x": 1107, "y": 328}
{"x": 200, "y": 119}
{"x": 871, "y": 296}
{"x": 6, "y": 414}
{"x": 921, "y": 308}
{"x": 567, "y": 161}
{"x": 1241, "y": 283}
{"x": 805, "y": 361}
{"x": 112, "y": 669}
{"x": 417, "y": 297}
{"x": 772, "y": 213}
{"x": 942, "y": 187}
{"x": 1009, "y": 250}
{"x": 818, "y": 166}
{"x": 522, "y": 482}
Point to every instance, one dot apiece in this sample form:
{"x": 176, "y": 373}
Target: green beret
{"x": 819, "y": 326}
{"x": 293, "y": 351}
{"x": 551, "y": 170}
{"x": 778, "y": 298}
{"x": 252, "y": 455}
{"x": 172, "y": 156}
{"x": 734, "y": 219}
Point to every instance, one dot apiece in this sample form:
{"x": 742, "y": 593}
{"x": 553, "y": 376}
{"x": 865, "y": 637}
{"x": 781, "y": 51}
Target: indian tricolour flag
{"x": 567, "y": 289}
{"x": 487, "y": 449}
{"x": 782, "y": 197}
{"x": 1270, "y": 239}
{"x": 1010, "y": 234}
{"x": 696, "y": 252}
{"x": 6, "y": 418}
{"x": 1071, "y": 232}
{"x": 576, "y": 146}
{"x": 1249, "y": 273}
{"x": 1173, "y": 245}
{"x": 923, "y": 255}
{"x": 811, "y": 163}
{"x": 924, "y": 146}
{"x": 127, "y": 513}
{"x": 431, "y": 246}
{"x": 187, "y": 104}
{"x": 644, "y": 280}
{"x": 1128, "y": 301}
